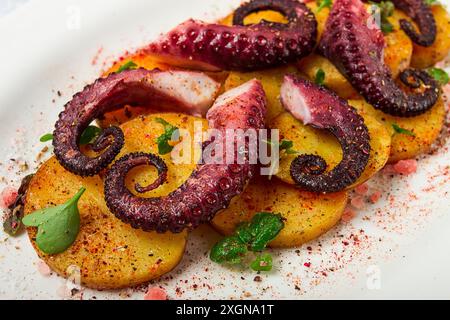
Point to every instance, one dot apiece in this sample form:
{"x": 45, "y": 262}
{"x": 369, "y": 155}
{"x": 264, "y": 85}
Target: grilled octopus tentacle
{"x": 194, "y": 93}
{"x": 200, "y": 45}
{"x": 211, "y": 186}
{"x": 322, "y": 109}
{"x": 354, "y": 43}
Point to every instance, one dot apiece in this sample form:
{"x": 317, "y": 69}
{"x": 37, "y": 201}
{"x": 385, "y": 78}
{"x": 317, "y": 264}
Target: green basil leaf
{"x": 264, "y": 227}
{"x": 262, "y": 263}
{"x": 400, "y": 130}
{"x": 320, "y": 77}
{"x": 439, "y": 75}
{"x": 230, "y": 249}
{"x": 89, "y": 134}
{"x": 46, "y": 137}
{"x": 171, "y": 133}
{"x": 130, "y": 65}
{"x": 57, "y": 226}
{"x": 323, "y": 4}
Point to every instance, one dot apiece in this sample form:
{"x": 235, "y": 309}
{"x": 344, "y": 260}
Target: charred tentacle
{"x": 200, "y": 45}
{"x": 322, "y": 109}
{"x": 211, "y": 186}
{"x": 355, "y": 46}
{"x": 194, "y": 93}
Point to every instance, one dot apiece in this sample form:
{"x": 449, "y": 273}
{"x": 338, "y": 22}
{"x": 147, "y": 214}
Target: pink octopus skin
{"x": 322, "y": 109}
{"x": 211, "y": 186}
{"x": 185, "y": 91}
{"x": 199, "y": 45}
{"x": 355, "y": 44}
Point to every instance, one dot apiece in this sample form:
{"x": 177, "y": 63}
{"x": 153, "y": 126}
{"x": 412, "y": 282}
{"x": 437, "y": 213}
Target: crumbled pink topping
{"x": 44, "y": 269}
{"x": 7, "y": 197}
{"x": 406, "y": 166}
{"x": 348, "y": 215}
{"x": 362, "y": 189}
{"x": 374, "y": 197}
{"x": 358, "y": 202}
{"x": 155, "y": 293}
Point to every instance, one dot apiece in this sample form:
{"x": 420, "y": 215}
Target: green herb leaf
{"x": 323, "y": 4}
{"x": 386, "y": 10}
{"x": 262, "y": 263}
{"x": 320, "y": 77}
{"x": 230, "y": 250}
{"x": 46, "y": 137}
{"x": 430, "y": 2}
{"x": 130, "y": 65}
{"x": 57, "y": 226}
{"x": 171, "y": 133}
{"x": 400, "y": 130}
{"x": 439, "y": 75}
{"x": 284, "y": 145}
{"x": 249, "y": 236}
{"x": 89, "y": 134}
{"x": 12, "y": 223}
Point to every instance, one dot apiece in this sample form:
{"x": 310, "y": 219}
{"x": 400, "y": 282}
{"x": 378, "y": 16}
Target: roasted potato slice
{"x": 307, "y": 215}
{"x": 109, "y": 253}
{"x": 271, "y": 79}
{"x": 425, "y": 57}
{"x": 308, "y": 140}
{"x": 426, "y": 129}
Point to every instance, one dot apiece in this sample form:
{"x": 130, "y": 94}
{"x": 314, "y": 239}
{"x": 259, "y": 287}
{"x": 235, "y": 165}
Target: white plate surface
{"x": 401, "y": 252}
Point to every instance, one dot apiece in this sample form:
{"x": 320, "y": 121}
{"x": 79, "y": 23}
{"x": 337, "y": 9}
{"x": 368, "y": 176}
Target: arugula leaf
{"x": 88, "y": 135}
{"x": 262, "y": 263}
{"x": 57, "y": 226}
{"x": 248, "y": 236}
{"x": 46, "y": 137}
{"x": 170, "y": 132}
{"x": 320, "y": 77}
{"x": 400, "y": 130}
{"x": 130, "y": 65}
{"x": 439, "y": 75}
{"x": 323, "y": 4}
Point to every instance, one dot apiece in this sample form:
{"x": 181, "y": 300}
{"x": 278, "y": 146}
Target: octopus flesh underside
{"x": 317, "y": 106}
{"x": 199, "y": 45}
{"x": 355, "y": 46}
{"x": 192, "y": 92}
{"x": 211, "y": 186}
{"x": 422, "y": 15}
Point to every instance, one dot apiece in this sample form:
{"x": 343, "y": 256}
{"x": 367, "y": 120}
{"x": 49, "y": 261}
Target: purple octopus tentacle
{"x": 195, "y": 44}
{"x": 421, "y": 14}
{"x": 322, "y": 109}
{"x": 211, "y": 186}
{"x": 354, "y": 43}
{"x": 194, "y": 93}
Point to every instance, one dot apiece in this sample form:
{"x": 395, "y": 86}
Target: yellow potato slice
{"x": 307, "y": 215}
{"x": 271, "y": 79}
{"x": 308, "y": 140}
{"x": 109, "y": 253}
{"x": 425, "y": 57}
{"x": 425, "y": 127}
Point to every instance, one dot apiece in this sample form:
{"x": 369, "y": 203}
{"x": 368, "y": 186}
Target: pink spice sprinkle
{"x": 155, "y": 293}
{"x": 307, "y": 264}
{"x": 44, "y": 269}
{"x": 406, "y": 166}
{"x": 7, "y": 197}
{"x": 358, "y": 202}
{"x": 348, "y": 215}
{"x": 375, "y": 196}
{"x": 362, "y": 189}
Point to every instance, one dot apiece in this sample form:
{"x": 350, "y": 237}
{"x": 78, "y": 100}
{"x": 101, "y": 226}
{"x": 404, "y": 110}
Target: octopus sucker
{"x": 211, "y": 186}
{"x": 199, "y": 45}
{"x": 422, "y": 15}
{"x": 191, "y": 92}
{"x": 322, "y": 109}
{"x": 354, "y": 44}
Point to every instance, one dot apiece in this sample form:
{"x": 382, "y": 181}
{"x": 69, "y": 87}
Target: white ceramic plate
{"x": 401, "y": 252}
